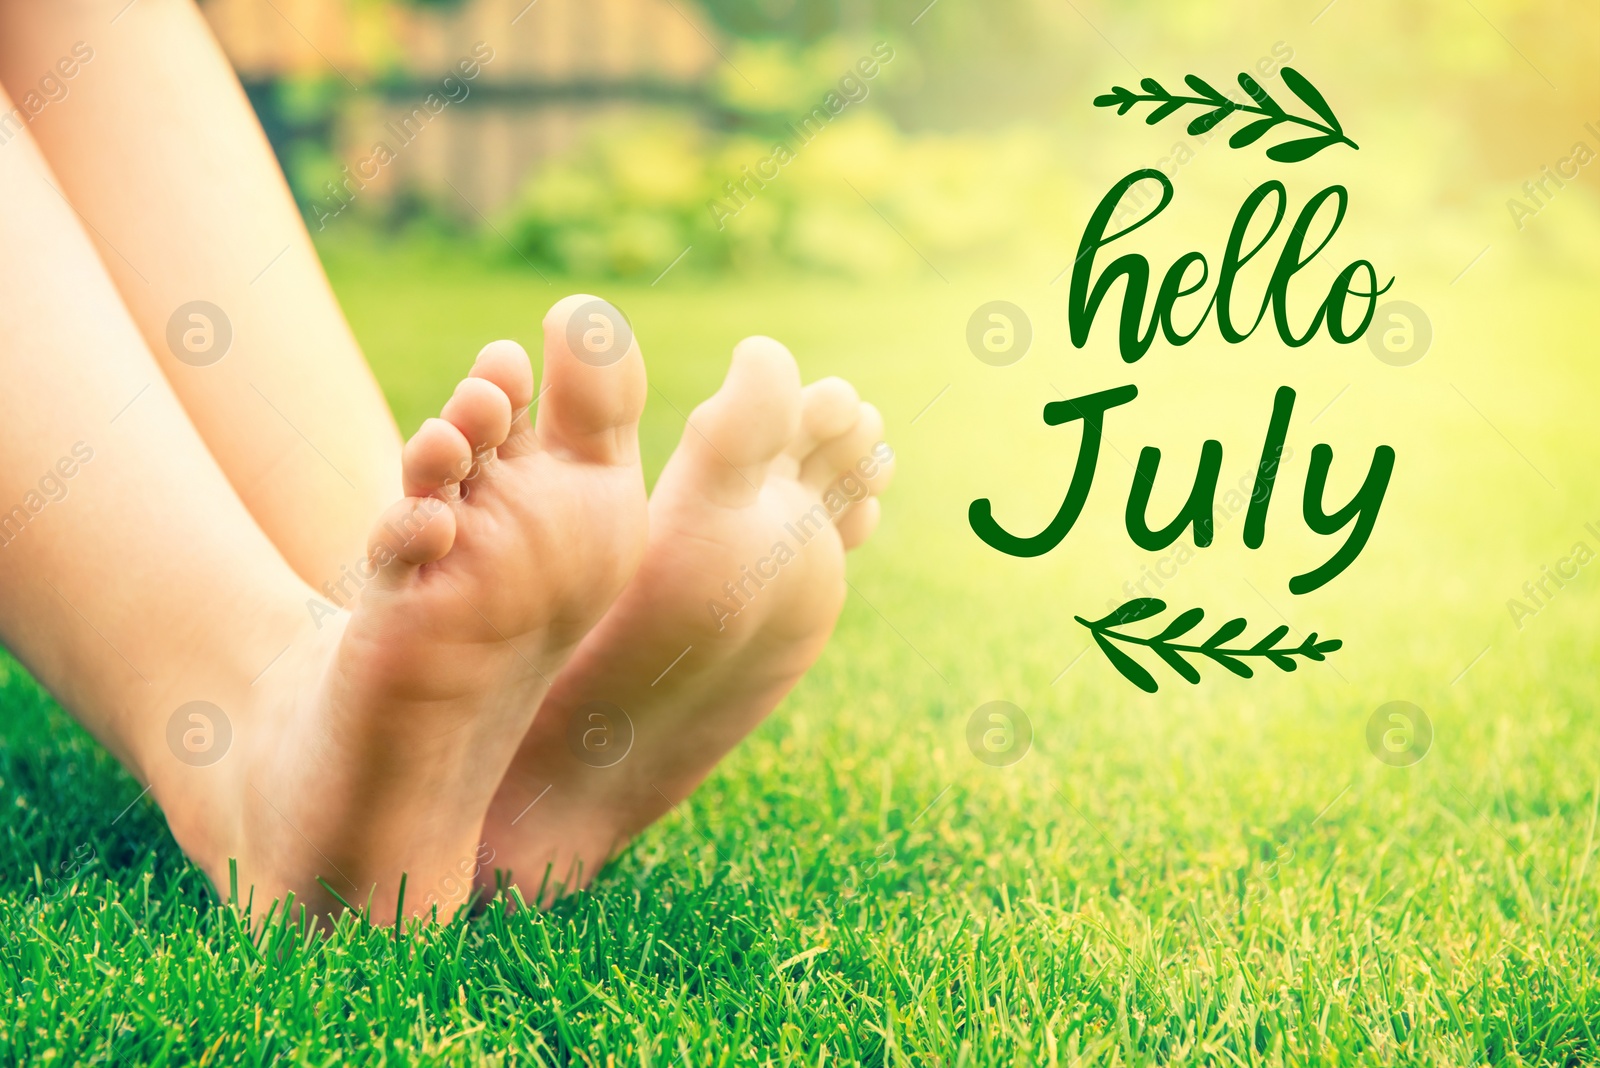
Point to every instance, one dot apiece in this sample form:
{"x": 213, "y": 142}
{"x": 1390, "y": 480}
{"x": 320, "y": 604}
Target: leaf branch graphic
{"x": 1328, "y": 130}
{"x": 1213, "y": 648}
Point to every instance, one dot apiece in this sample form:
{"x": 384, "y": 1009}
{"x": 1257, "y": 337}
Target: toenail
{"x": 599, "y": 334}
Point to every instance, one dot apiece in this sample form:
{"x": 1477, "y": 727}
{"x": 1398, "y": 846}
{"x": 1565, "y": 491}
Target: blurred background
{"x": 600, "y": 132}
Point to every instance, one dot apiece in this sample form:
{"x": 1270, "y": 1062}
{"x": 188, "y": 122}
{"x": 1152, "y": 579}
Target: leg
{"x": 333, "y": 750}
{"x": 156, "y": 147}
{"x": 741, "y": 583}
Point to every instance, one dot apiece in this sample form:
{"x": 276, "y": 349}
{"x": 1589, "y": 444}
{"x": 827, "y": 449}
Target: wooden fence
{"x": 552, "y": 68}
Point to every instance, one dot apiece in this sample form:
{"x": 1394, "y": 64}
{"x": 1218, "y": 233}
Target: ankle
{"x": 201, "y": 734}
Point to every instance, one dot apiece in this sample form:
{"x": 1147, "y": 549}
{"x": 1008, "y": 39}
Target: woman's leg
{"x": 152, "y": 141}
{"x": 328, "y": 752}
{"x": 159, "y": 151}
{"x": 133, "y": 578}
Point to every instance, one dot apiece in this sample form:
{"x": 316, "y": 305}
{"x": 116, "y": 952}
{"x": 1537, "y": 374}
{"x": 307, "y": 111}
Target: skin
{"x": 393, "y": 731}
{"x": 762, "y": 463}
{"x": 362, "y": 744}
{"x": 149, "y": 586}
{"x": 175, "y": 184}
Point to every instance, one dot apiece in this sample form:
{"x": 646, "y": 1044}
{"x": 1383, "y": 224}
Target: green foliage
{"x": 1329, "y": 132}
{"x": 624, "y": 202}
{"x": 1213, "y": 648}
{"x": 861, "y": 198}
{"x": 971, "y": 61}
{"x": 767, "y": 82}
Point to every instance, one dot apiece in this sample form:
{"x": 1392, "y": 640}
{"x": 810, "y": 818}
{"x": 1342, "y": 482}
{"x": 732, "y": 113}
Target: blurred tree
{"x": 973, "y": 61}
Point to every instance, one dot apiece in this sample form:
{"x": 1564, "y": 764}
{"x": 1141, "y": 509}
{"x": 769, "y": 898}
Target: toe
{"x": 505, "y": 363}
{"x": 856, "y": 525}
{"x": 482, "y": 412}
{"x": 828, "y": 408}
{"x": 435, "y": 460}
{"x": 594, "y": 383}
{"x": 734, "y": 436}
{"x": 859, "y": 453}
{"x": 410, "y": 533}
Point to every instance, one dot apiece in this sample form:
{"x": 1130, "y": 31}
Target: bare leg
{"x": 156, "y": 147}
{"x": 331, "y": 751}
{"x": 194, "y": 193}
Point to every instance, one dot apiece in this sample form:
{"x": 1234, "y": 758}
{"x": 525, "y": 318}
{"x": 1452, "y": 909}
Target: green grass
{"x": 1220, "y": 874}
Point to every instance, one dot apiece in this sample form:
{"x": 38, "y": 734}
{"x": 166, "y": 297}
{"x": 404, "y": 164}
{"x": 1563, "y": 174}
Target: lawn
{"x": 1221, "y": 873}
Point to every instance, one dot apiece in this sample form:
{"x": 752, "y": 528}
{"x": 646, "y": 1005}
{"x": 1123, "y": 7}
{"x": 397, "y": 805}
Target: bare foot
{"x": 742, "y": 581}
{"x": 375, "y": 746}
